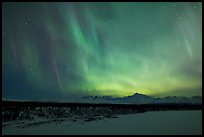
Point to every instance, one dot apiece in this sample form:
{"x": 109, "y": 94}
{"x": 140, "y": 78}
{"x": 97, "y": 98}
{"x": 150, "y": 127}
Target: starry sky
{"x": 59, "y": 50}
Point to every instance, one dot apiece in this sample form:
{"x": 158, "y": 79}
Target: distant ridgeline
{"x": 133, "y": 99}
{"x": 143, "y": 99}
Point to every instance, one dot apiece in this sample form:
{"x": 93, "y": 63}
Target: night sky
{"x": 62, "y": 50}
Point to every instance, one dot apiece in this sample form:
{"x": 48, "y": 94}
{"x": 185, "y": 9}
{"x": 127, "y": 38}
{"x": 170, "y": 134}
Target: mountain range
{"x": 142, "y": 99}
{"x": 132, "y": 99}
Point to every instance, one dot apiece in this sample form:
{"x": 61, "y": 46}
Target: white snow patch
{"x": 153, "y": 123}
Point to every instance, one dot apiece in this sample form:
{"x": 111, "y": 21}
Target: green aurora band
{"x": 113, "y": 49}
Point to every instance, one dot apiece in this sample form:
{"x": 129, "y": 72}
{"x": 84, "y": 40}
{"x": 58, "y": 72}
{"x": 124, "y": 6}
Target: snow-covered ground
{"x": 154, "y": 123}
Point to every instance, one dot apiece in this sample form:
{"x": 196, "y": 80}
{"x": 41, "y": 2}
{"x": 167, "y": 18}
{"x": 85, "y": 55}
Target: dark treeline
{"x": 124, "y": 106}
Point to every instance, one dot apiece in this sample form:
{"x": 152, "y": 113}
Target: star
{"x": 31, "y": 69}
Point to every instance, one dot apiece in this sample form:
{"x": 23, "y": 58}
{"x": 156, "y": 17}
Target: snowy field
{"x": 153, "y": 123}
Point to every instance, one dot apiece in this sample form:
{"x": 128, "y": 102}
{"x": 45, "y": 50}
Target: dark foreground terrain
{"x": 36, "y": 118}
{"x": 16, "y": 110}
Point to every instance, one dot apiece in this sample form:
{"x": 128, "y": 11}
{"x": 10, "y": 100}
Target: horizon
{"x": 101, "y": 49}
{"x": 82, "y": 97}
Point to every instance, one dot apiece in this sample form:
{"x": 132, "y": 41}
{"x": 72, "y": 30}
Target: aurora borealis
{"x": 58, "y": 50}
